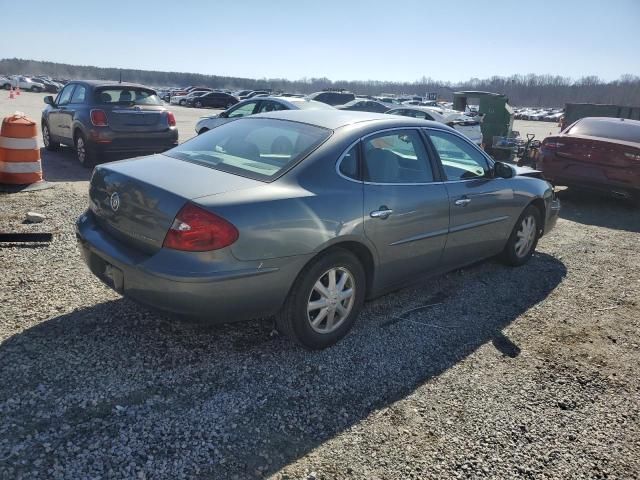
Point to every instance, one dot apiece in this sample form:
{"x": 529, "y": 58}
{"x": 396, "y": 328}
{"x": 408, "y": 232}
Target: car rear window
{"x": 258, "y": 148}
{"x": 627, "y": 131}
{"x": 126, "y": 96}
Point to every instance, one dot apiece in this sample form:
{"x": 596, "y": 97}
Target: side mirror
{"x": 223, "y": 114}
{"x": 503, "y": 170}
{"x": 49, "y": 100}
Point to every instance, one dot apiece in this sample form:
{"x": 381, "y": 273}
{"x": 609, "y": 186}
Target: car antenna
{"x": 120, "y": 76}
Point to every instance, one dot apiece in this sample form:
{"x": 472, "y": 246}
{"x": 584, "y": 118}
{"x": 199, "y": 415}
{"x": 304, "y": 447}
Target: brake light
{"x": 99, "y": 118}
{"x": 632, "y": 155}
{"x": 171, "y": 119}
{"x": 196, "y": 230}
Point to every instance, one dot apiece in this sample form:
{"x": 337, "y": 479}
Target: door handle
{"x": 383, "y": 213}
{"x": 463, "y": 202}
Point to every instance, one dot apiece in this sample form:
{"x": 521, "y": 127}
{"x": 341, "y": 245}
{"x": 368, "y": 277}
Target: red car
{"x": 595, "y": 153}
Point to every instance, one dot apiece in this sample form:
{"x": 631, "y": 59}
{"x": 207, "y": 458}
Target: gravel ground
{"x": 488, "y": 372}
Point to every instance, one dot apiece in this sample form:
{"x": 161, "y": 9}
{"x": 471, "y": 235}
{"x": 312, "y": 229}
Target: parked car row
{"x": 468, "y": 126}
{"x": 38, "y": 83}
{"x": 539, "y": 114}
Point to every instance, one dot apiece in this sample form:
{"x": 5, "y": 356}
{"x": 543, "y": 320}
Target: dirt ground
{"x": 487, "y": 372}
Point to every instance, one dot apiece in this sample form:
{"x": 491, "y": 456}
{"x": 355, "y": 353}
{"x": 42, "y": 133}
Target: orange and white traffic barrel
{"x": 19, "y": 151}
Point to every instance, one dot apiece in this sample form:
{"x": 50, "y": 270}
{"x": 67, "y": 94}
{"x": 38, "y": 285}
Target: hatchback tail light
{"x": 196, "y": 230}
{"x": 171, "y": 119}
{"x": 99, "y": 118}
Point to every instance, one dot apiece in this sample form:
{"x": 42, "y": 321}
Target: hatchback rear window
{"x": 127, "y": 96}
{"x": 258, "y": 148}
{"x": 627, "y": 131}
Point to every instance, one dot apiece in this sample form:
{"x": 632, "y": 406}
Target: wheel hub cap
{"x": 331, "y": 300}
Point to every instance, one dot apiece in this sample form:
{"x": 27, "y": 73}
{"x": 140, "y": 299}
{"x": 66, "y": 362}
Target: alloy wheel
{"x": 45, "y": 136}
{"x": 526, "y": 235}
{"x": 81, "y": 150}
{"x": 331, "y": 300}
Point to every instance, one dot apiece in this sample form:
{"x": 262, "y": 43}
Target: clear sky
{"x": 343, "y": 40}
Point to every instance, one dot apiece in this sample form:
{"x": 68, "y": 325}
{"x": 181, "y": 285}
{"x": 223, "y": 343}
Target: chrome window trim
{"x": 391, "y": 129}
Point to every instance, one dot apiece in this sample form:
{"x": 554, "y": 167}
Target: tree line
{"x": 522, "y": 90}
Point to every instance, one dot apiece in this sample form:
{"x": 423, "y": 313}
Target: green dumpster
{"x": 497, "y": 121}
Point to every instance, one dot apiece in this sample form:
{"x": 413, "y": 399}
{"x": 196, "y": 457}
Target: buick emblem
{"x": 115, "y": 201}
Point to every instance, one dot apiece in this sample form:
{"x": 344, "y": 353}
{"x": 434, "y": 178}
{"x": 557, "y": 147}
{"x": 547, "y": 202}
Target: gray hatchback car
{"x": 99, "y": 117}
{"x": 304, "y": 214}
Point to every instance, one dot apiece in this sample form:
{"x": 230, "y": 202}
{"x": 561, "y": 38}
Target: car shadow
{"x": 236, "y": 401}
{"x": 62, "y": 166}
{"x": 592, "y": 208}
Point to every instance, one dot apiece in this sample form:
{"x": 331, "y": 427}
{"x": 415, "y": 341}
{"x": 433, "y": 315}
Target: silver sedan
{"x": 255, "y": 105}
{"x": 305, "y": 214}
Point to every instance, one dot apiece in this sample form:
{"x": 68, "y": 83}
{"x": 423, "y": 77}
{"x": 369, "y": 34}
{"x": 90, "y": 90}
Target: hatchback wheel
{"x": 46, "y": 139}
{"x": 524, "y": 238}
{"x": 84, "y": 153}
{"x": 324, "y": 301}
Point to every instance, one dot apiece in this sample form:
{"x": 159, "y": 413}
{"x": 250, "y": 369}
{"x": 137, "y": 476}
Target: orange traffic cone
{"x": 11, "y": 93}
{"x": 18, "y": 90}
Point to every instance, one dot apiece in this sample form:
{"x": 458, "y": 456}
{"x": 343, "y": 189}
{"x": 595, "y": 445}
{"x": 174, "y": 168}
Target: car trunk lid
{"x": 138, "y": 118}
{"x": 137, "y": 200}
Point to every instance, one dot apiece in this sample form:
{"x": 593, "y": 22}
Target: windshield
{"x": 256, "y": 148}
{"x": 127, "y": 96}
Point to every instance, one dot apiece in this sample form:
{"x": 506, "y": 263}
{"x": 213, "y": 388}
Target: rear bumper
{"x": 225, "y": 292}
{"x": 109, "y": 141}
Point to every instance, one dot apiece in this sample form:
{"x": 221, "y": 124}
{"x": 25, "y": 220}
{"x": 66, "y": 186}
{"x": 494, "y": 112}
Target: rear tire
{"x": 46, "y": 139}
{"x": 84, "y": 153}
{"x": 325, "y": 300}
{"x": 524, "y": 238}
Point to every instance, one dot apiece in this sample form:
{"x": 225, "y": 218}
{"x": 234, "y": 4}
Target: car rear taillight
{"x": 171, "y": 119}
{"x": 196, "y": 230}
{"x": 99, "y": 118}
{"x": 632, "y": 155}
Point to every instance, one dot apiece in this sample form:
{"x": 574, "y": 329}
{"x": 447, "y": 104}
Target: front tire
{"x": 203, "y": 130}
{"x": 198, "y": 104}
{"x": 524, "y": 238}
{"x": 325, "y": 301}
{"x": 46, "y": 139}
{"x": 182, "y": 103}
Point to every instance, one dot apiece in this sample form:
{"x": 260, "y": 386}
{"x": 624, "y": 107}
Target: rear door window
{"x": 397, "y": 157}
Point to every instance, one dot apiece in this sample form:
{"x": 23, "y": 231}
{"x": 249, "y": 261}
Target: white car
{"x": 254, "y": 105}
{"x": 182, "y": 99}
{"x": 466, "y": 125}
{"x": 25, "y": 83}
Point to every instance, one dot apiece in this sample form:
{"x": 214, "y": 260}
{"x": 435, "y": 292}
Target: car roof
{"x": 109, "y": 83}
{"x": 335, "y": 118}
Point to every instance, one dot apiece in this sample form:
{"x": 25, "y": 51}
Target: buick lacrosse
{"x": 305, "y": 214}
